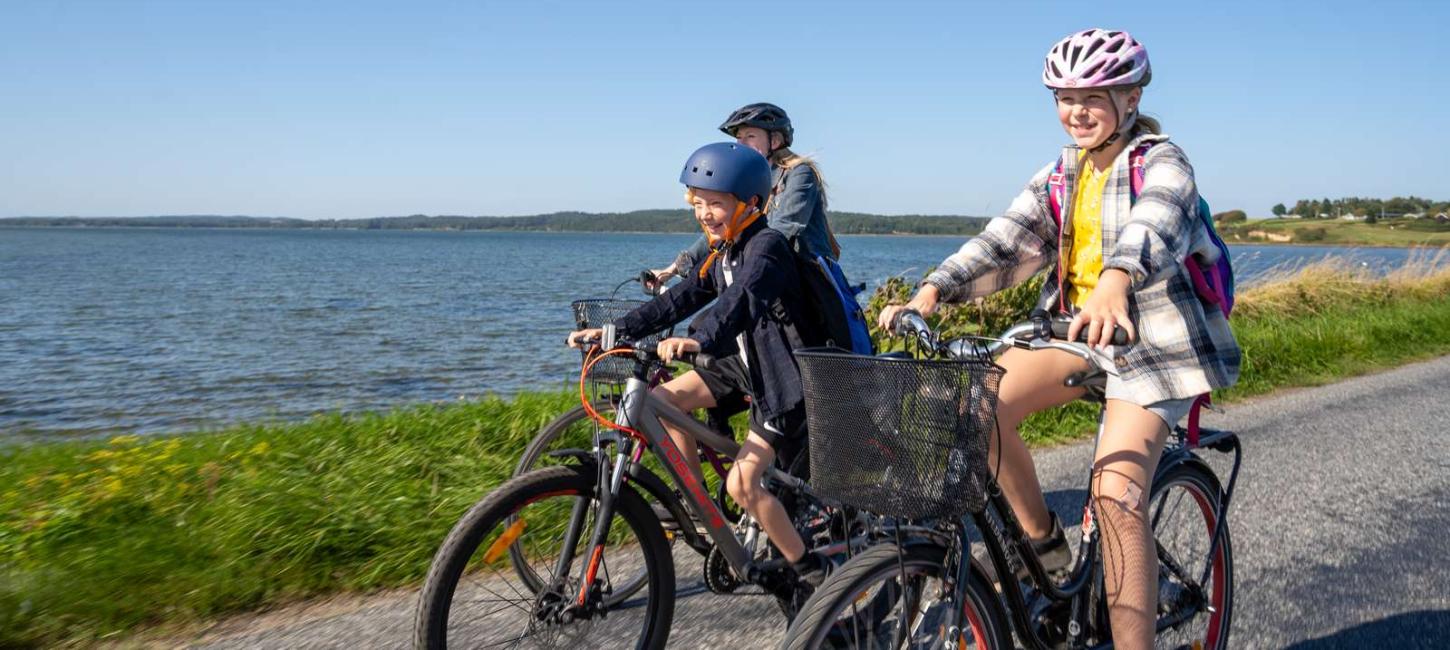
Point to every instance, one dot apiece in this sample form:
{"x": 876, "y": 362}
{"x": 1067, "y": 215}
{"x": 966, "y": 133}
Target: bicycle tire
{"x": 816, "y": 624}
{"x": 453, "y": 557}
{"x": 1201, "y": 515}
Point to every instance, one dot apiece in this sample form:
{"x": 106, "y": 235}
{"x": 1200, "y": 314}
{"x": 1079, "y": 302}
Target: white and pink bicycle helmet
{"x": 1096, "y": 58}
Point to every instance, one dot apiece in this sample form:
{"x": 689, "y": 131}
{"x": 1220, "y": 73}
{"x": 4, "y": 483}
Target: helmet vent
{"x": 709, "y": 172}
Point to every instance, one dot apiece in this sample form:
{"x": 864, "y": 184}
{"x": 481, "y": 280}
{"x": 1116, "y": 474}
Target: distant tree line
{"x": 678, "y": 221}
{"x": 1363, "y": 207}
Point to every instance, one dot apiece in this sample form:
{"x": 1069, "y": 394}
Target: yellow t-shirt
{"x": 1085, "y": 257}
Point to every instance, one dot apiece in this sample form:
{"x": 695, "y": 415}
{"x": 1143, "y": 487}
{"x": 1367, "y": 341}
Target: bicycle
{"x": 940, "y": 596}
{"x": 593, "y": 523}
{"x": 573, "y": 430}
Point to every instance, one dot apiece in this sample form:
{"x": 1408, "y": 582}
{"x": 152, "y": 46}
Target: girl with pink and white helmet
{"x": 1115, "y": 262}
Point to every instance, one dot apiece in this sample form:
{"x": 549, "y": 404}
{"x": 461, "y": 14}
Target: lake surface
{"x": 107, "y": 331}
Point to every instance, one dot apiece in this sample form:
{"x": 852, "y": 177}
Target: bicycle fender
{"x": 1179, "y": 457}
{"x": 977, "y": 569}
{"x": 584, "y": 456}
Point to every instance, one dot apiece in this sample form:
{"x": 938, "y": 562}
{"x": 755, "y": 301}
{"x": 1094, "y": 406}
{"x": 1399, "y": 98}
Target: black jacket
{"x": 764, "y": 302}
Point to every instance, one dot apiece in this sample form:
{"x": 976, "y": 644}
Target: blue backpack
{"x": 1214, "y": 283}
{"x": 831, "y": 301}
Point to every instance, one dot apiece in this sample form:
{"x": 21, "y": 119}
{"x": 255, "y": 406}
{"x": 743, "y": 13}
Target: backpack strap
{"x": 1056, "y": 192}
{"x": 1138, "y": 168}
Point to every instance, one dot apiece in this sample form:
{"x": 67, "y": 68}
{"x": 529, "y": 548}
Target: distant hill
{"x": 681, "y": 221}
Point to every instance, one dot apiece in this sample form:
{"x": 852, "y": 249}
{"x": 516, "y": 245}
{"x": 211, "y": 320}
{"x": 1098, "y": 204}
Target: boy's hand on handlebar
{"x": 670, "y": 349}
{"x": 578, "y": 338}
{"x": 1106, "y": 309}
{"x": 924, "y": 302}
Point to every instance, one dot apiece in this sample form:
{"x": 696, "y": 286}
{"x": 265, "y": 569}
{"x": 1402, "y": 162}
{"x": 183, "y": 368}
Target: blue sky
{"x": 355, "y": 109}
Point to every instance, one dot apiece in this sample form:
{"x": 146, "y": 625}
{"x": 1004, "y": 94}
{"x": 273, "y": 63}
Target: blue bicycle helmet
{"x": 729, "y": 167}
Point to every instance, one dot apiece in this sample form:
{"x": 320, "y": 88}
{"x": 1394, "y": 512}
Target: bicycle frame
{"x": 640, "y": 410}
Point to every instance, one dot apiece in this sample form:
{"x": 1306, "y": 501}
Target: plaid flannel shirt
{"x": 1183, "y": 350}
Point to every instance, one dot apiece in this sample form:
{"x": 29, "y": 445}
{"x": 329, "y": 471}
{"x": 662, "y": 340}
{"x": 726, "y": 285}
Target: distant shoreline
{"x": 1231, "y": 242}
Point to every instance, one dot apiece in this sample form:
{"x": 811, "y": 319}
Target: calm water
{"x": 130, "y": 330}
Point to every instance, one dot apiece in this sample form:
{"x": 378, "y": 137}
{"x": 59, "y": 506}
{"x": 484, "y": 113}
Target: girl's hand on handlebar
{"x": 578, "y": 338}
{"x": 670, "y": 349}
{"x": 924, "y": 302}
{"x": 1106, "y": 309}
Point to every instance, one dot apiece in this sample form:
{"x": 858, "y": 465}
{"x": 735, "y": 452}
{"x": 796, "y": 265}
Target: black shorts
{"x": 729, "y": 383}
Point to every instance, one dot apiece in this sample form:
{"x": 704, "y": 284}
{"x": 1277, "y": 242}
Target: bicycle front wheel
{"x": 1195, "y": 591}
{"x": 889, "y": 597}
{"x": 540, "y": 524}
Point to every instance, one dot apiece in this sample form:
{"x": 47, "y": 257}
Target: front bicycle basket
{"x": 598, "y": 312}
{"x": 899, "y": 437}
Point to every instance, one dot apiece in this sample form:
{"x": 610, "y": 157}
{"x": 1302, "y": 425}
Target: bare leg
{"x": 744, "y": 486}
{"x": 1127, "y": 456}
{"x": 1033, "y": 382}
{"x": 687, "y": 393}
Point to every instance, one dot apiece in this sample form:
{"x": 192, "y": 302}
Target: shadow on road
{"x": 1423, "y": 629}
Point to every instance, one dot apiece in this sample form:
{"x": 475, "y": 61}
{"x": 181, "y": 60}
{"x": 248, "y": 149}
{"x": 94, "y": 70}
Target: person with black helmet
{"x": 750, "y": 282}
{"x": 797, "y": 203}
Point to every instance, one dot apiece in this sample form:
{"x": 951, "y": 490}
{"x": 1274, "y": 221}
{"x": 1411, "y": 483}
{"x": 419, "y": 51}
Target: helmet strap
{"x": 733, "y": 228}
{"x": 1124, "y": 125}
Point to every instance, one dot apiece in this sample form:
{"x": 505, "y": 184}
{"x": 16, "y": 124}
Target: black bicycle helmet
{"x": 763, "y": 115}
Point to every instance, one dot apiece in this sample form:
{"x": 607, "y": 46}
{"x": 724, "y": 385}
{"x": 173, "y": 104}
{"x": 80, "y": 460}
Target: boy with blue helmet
{"x": 752, "y": 327}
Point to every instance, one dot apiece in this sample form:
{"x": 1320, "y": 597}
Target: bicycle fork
{"x": 610, "y": 480}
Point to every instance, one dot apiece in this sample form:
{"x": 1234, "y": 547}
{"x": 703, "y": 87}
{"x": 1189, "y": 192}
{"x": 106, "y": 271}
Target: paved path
{"x": 1341, "y": 531}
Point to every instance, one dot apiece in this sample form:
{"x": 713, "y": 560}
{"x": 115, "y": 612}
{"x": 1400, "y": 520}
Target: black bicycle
{"x": 923, "y": 421}
{"x": 541, "y": 560}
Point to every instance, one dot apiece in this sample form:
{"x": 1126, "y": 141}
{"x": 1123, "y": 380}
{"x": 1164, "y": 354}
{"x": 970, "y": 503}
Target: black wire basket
{"x": 900, "y": 437}
{"x": 598, "y": 312}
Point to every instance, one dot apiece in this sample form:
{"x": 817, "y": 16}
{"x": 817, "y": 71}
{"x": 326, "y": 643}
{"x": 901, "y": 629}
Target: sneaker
{"x": 812, "y": 569}
{"x": 1053, "y": 552}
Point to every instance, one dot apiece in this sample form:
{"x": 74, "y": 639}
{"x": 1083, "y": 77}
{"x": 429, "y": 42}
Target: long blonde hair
{"x": 1145, "y": 124}
{"x": 787, "y": 160}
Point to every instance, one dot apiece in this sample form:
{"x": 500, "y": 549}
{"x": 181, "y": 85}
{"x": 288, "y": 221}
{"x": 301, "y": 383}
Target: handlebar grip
{"x": 1059, "y": 331}
{"x": 909, "y": 322}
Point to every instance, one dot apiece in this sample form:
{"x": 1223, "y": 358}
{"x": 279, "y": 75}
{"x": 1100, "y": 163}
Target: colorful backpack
{"x": 831, "y": 301}
{"x": 1214, "y": 283}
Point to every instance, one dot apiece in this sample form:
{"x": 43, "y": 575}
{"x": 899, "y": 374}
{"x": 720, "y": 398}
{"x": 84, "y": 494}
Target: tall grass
{"x": 99, "y": 538}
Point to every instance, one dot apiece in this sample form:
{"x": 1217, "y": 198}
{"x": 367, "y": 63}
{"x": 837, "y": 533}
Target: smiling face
{"x": 713, "y": 210}
{"x": 1089, "y": 115}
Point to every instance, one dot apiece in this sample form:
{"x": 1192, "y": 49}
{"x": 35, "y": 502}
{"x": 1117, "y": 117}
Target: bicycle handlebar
{"x": 1039, "y": 333}
{"x": 649, "y": 352}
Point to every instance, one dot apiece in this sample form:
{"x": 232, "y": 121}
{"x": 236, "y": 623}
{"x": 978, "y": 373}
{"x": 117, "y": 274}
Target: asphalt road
{"x": 1341, "y": 533}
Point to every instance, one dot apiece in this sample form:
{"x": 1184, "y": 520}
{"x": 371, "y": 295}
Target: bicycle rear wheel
{"x": 1193, "y": 612}
{"x": 474, "y": 595}
{"x": 888, "y": 597}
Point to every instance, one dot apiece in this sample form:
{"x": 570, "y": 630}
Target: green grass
{"x": 1333, "y": 232}
{"x": 102, "y": 538}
